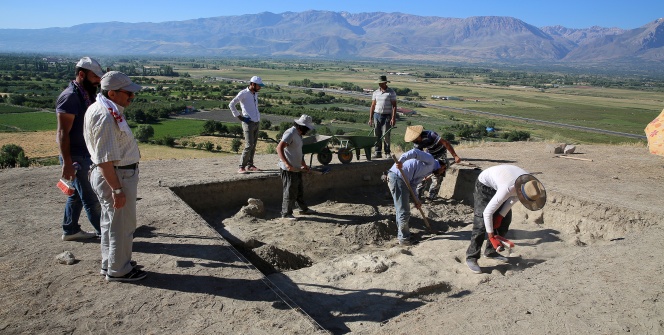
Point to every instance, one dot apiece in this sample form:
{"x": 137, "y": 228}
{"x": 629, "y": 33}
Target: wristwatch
{"x": 117, "y": 190}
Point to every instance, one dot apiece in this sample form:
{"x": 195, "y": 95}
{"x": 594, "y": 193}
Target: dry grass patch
{"x": 35, "y": 144}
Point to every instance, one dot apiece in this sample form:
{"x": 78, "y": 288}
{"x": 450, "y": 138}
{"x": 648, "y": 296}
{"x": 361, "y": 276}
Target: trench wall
{"x": 234, "y": 193}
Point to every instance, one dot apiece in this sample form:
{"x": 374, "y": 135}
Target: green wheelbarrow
{"x": 317, "y": 145}
{"x": 353, "y": 143}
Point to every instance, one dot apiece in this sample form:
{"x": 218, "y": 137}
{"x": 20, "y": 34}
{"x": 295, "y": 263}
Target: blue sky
{"x": 29, "y": 14}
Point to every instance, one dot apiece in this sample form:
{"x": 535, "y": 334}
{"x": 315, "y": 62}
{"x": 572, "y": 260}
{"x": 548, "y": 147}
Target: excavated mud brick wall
{"x": 267, "y": 187}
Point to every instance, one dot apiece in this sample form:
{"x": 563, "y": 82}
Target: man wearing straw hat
{"x": 437, "y": 147}
{"x": 382, "y": 115}
{"x": 497, "y": 189}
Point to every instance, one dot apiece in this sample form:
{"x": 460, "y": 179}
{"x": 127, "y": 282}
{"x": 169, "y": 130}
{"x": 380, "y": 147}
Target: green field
{"x": 177, "y": 128}
{"x": 6, "y": 109}
{"x": 564, "y": 98}
{"x": 37, "y": 121}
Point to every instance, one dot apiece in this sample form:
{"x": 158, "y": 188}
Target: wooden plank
{"x": 575, "y": 158}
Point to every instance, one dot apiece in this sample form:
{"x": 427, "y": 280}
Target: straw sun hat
{"x": 412, "y": 132}
{"x": 530, "y": 191}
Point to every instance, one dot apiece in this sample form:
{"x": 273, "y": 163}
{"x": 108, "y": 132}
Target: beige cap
{"x": 116, "y": 80}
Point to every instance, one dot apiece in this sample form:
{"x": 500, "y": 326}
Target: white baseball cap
{"x": 257, "y": 80}
{"x": 90, "y": 64}
{"x": 116, "y": 80}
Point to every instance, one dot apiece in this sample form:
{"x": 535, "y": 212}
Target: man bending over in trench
{"x": 415, "y": 165}
{"x": 497, "y": 189}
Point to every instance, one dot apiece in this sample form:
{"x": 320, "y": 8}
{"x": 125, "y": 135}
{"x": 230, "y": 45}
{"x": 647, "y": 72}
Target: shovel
{"x": 412, "y": 194}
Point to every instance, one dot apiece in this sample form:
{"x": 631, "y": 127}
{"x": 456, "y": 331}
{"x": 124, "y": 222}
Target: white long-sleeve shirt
{"x": 500, "y": 178}
{"x": 248, "y": 102}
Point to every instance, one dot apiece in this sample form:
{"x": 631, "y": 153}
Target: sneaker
{"x": 103, "y": 271}
{"x": 289, "y": 217}
{"x": 253, "y": 169}
{"x": 307, "y": 211}
{"x": 496, "y": 256}
{"x": 81, "y": 235}
{"x": 242, "y": 170}
{"x": 472, "y": 265}
{"x": 377, "y": 155}
{"x": 405, "y": 242}
{"x": 133, "y": 275}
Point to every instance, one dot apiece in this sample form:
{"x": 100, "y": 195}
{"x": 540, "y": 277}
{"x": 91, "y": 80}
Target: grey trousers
{"x": 381, "y": 125}
{"x": 117, "y": 225}
{"x": 293, "y": 192}
{"x": 250, "y": 138}
{"x": 482, "y": 196}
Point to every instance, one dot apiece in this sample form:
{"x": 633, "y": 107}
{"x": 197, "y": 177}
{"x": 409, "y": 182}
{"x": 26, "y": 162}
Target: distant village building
{"x": 446, "y": 97}
{"x": 405, "y": 111}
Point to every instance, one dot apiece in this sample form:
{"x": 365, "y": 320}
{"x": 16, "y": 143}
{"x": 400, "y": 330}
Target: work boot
{"x": 496, "y": 256}
{"x": 472, "y": 265}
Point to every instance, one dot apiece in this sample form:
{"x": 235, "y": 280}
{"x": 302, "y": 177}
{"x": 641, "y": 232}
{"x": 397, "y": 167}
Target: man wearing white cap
{"x": 497, "y": 189}
{"x": 114, "y": 177}
{"x": 292, "y": 163}
{"x": 415, "y": 165}
{"x": 250, "y": 117}
{"x": 74, "y": 156}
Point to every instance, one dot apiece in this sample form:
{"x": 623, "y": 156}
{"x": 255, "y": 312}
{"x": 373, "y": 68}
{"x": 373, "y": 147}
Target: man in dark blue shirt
{"x": 435, "y": 145}
{"x": 74, "y": 156}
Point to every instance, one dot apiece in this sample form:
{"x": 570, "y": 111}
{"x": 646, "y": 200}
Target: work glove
{"x": 496, "y": 243}
{"x": 497, "y": 220}
{"x": 246, "y": 119}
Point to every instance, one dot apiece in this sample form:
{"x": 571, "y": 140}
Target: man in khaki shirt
{"x": 114, "y": 177}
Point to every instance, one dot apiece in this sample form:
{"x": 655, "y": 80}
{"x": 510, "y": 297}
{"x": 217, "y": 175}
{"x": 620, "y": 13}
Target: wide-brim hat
{"x": 382, "y": 79}
{"x": 116, "y": 80}
{"x": 530, "y": 191}
{"x": 412, "y": 133}
{"x": 305, "y": 120}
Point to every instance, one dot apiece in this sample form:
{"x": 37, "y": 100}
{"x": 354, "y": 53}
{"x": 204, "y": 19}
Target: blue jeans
{"x": 84, "y": 197}
{"x": 401, "y": 196}
{"x": 250, "y": 138}
{"x": 381, "y": 125}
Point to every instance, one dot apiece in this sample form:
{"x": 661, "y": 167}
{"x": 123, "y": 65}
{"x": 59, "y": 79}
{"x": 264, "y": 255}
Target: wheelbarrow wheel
{"x": 325, "y": 156}
{"x": 345, "y": 155}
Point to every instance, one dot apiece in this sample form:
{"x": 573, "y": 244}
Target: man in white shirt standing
{"x": 250, "y": 117}
{"x": 114, "y": 176}
{"x": 497, "y": 189}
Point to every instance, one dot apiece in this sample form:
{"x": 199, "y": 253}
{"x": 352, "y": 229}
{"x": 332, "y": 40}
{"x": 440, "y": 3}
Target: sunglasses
{"x": 125, "y": 92}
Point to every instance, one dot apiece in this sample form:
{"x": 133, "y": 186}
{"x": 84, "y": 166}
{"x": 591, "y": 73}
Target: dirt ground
{"x": 581, "y": 264}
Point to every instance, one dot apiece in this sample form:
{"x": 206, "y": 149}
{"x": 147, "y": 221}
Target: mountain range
{"x": 343, "y": 35}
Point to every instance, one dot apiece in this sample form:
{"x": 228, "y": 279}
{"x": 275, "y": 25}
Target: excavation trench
{"x": 343, "y": 258}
